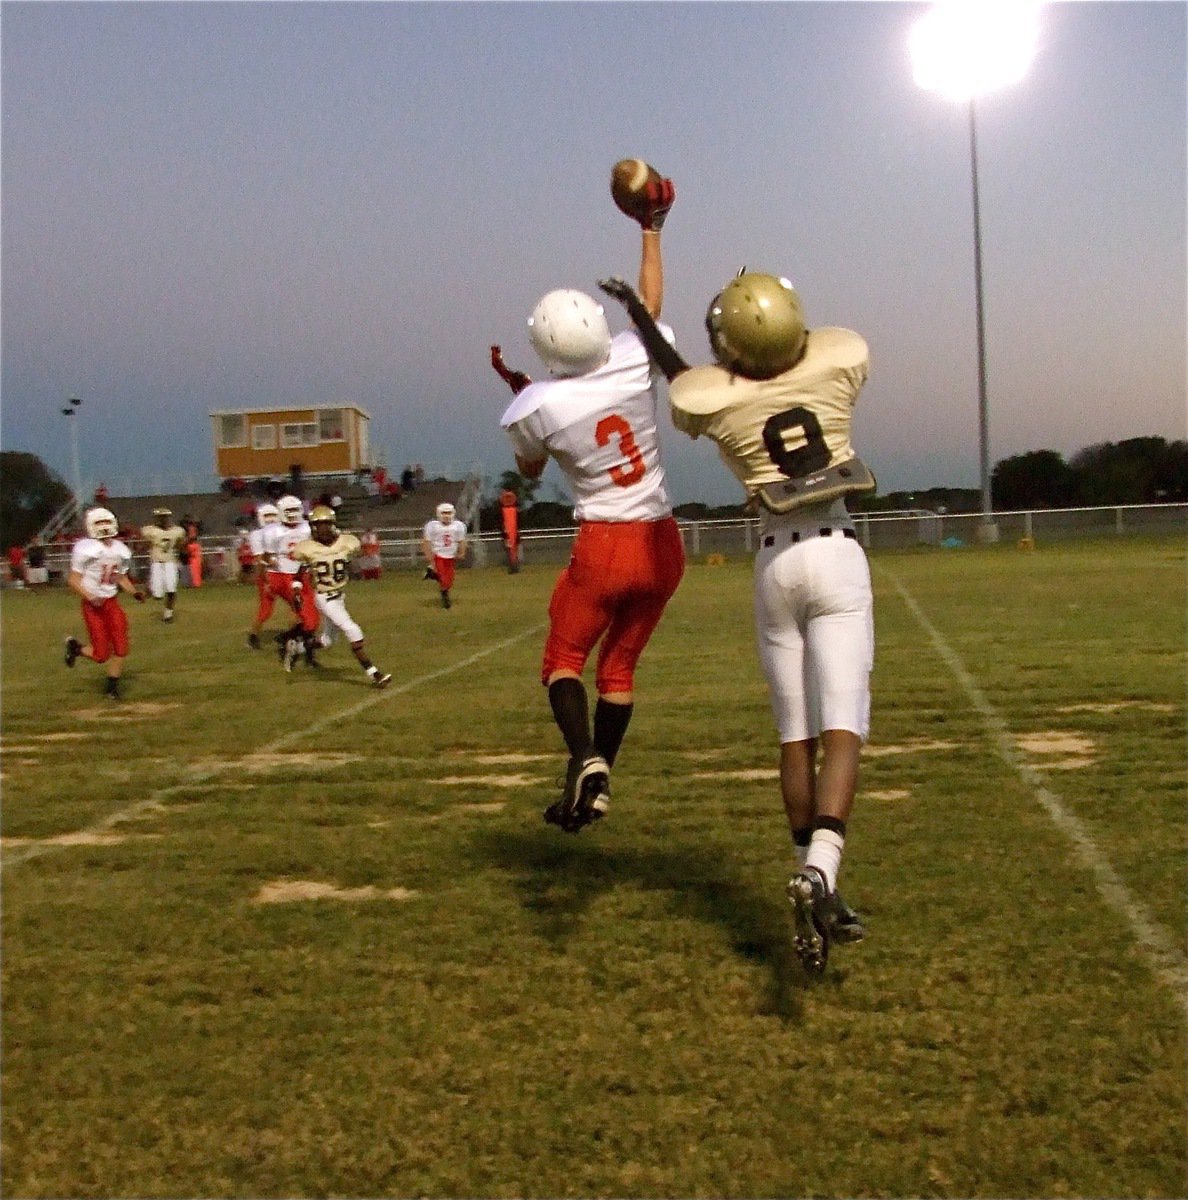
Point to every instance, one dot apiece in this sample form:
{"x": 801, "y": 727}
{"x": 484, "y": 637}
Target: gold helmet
{"x": 756, "y": 325}
{"x": 321, "y": 523}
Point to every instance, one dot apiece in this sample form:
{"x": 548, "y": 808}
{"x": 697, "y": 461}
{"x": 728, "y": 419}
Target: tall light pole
{"x": 963, "y": 49}
{"x": 72, "y": 411}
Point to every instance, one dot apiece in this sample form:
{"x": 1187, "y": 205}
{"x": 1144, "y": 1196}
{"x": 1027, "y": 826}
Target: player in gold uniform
{"x": 325, "y": 556}
{"x": 165, "y": 538}
{"x": 778, "y": 403}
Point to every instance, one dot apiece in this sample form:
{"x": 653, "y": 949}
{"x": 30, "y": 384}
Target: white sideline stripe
{"x": 153, "y": 802}
{"x": 1163, "y": 956}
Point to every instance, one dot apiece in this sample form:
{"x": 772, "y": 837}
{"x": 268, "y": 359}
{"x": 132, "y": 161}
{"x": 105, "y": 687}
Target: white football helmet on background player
{"x": 102, "y": 524}
{"x": 267, "y": 514}
{"x": 291, "y": 510}
{"x": 568, "y": 330}
{"x": 445, "y": 513}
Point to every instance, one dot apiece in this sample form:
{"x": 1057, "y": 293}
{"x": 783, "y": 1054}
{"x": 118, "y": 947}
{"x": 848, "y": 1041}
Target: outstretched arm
{"x": 662, "y": 352}
{"x": 516, "y": 380}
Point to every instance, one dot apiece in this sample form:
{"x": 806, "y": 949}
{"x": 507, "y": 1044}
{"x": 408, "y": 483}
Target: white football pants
{"x": 814, "y": 624}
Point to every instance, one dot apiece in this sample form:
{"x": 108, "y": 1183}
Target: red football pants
{"x": 619, "y": 579}
{"x": 300, "y": 600}
{"x": 445, "y": 572}
{"x": 107, "y": 629}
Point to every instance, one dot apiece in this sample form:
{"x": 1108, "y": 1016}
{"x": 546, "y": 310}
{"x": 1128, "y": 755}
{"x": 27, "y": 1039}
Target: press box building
{"x": 254, "y": 442}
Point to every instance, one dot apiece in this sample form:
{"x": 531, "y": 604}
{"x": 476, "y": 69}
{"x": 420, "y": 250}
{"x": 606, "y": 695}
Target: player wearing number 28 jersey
{"x": 327, "y": 555}
{"x": 597, "y": 419}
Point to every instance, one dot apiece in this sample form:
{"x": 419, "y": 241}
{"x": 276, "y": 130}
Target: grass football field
{"x": 283, "y": 935}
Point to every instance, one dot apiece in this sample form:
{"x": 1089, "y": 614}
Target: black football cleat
{"x": 585, "y": 795}
{"x": 73, "y": 650}
{"x": 253, "y": 640}
{"x": 846, "y": 924}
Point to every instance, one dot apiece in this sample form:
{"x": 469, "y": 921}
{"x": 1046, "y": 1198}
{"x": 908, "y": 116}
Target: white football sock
{"x": 825, "y": 853}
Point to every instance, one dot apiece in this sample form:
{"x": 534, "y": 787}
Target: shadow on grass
{"x": 558, "y": 880}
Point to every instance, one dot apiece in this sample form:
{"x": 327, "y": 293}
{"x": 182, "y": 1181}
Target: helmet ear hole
{"x": 568, "y": 330}
{"x": 756, "y": 326}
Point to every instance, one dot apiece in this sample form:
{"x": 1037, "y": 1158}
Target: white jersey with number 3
{"x": 601, "y": 429}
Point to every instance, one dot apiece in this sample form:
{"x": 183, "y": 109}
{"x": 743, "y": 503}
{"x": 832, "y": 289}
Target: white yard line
{"x": 154, "y": 802}
{"x": 1159, "y": 948}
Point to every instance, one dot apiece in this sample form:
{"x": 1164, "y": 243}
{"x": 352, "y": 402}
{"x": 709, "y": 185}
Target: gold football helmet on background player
{"x": 756, "y": 325}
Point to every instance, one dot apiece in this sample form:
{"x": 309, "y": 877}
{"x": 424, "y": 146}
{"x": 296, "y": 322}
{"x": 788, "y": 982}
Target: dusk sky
{"x": 211, "y": 206}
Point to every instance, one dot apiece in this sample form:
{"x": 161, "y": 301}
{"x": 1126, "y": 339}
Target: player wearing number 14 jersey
{"x": 326, "y": 555}
{"x": 596, "y": 417}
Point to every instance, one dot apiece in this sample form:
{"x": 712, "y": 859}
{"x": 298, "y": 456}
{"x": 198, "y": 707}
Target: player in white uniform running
{"x": 443, "y": 544}
{"x": 327, "y": 555}
{"x": 99, "y": 566}
{"x": 596, "y": 417}
{"x": 286, "y": 583}
{"x": 165, "y": 538}
{"x": 778, "y": 403}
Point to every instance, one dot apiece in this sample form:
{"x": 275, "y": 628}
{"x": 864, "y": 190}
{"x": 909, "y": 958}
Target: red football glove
{"x": 660, "y": 195}
{"x": 516, "y": 380}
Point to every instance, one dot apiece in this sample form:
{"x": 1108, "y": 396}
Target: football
{"x": 629, "y": 185}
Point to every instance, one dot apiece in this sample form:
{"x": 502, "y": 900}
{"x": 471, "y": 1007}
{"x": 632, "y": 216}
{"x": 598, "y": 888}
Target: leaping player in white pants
{"x": 778, "y": 403}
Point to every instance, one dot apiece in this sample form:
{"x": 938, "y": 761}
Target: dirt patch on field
{"x": 1058, "y": 750}
{"x": 290, "y": 891}
{"x": 504, "y": 760}
{"x": 57, "y": 737}
{"x": 744, "y": 775}
{"x": 105, "y": 838}
{"x": 889, "y": 794}
{"x": 124, "y": 710}
{"x": 1117, "y": 706}
{"x": 278, "y": 762}
{"x": 486, "y": 781}
{"x": 918, "y": 746}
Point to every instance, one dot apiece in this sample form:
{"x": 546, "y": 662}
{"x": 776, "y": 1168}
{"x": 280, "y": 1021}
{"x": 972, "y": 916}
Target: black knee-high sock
{"x": 610, "y": 724}
{"x": 571, "y": 711}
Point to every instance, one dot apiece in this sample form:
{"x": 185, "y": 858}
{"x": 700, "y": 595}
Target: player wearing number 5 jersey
{"x": 778, "y": 403}
{"x": 597, "y": 418}
{"x": 327, "y": 555}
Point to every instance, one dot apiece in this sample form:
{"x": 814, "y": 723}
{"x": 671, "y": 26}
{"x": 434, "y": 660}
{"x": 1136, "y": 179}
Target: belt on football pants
{"x": 797, "y": 536}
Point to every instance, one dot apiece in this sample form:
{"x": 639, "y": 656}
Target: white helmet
{"x": 267, "y": 514}
{"x": 101, "y": 523}
{"x": 445, "y": 513}
{"x": 290, "y": 509}
{"x": 568, "y": 330}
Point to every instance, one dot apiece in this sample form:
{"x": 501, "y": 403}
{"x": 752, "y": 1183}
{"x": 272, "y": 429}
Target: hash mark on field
{"x": 289, "y": 891}
{"x": 208, "y": 771}
{"x": 1116, "y": 706}
{"x": 1166, "y": 960}
{"x": 486, "y": 780}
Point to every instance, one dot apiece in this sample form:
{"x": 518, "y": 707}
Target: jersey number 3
{"x": 804, "y": 460}
{"x": 615, "y": 426}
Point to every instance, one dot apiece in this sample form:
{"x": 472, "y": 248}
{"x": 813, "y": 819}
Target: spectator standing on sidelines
{"x": 99, "y": 566}
{"x": 443, "y": 544}
{"x": 370, "y": 562}
{"x": 778, "y": 402}
{"x": 16, "y": 564}
{"x": 596, "y": 417}
{"x": 165, "y": 538}
{"x": 36, "y": 572}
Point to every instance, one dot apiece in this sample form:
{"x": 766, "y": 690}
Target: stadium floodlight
{"x": 963, "y": 49}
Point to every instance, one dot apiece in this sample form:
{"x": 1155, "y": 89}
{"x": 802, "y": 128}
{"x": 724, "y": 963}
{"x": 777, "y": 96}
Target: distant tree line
{"x": 1143, "y": 470}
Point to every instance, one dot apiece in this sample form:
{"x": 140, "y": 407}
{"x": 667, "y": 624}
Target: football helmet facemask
{"x": 290, "y": 510}
{"x": 756, "y": 326}
{"x": 568, "y": 330}
{"x": 101, "y": 524}
{"x": 445, "y": 513}
{"x": 267, "y": 514}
